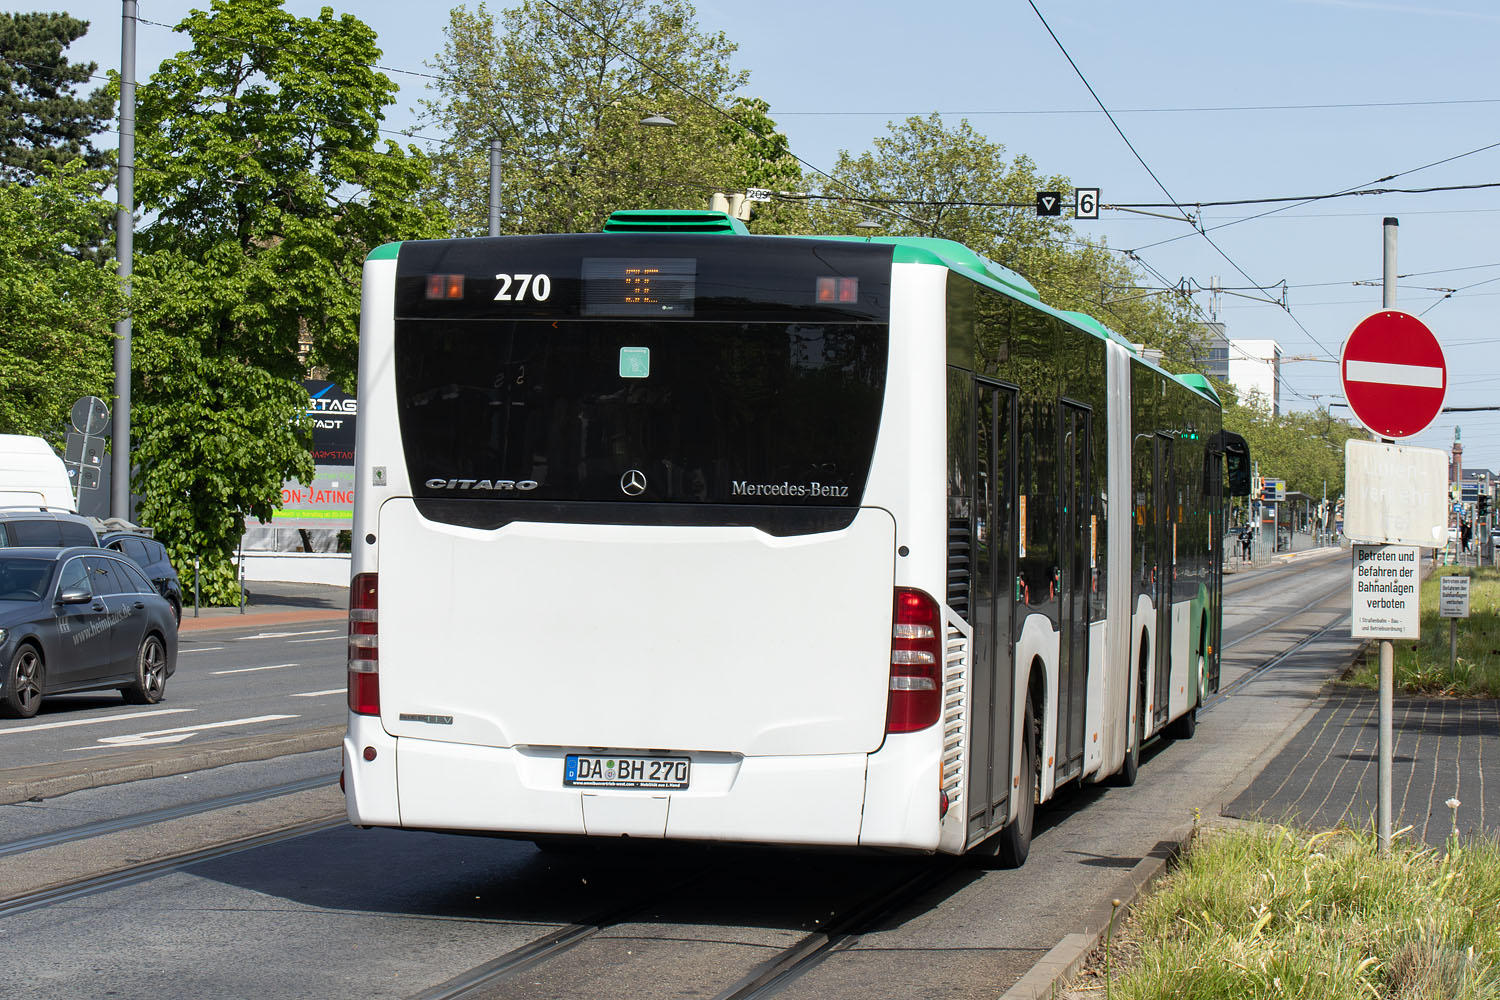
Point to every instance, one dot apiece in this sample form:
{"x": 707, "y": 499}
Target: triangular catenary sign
{"x": 1049, "y": 203}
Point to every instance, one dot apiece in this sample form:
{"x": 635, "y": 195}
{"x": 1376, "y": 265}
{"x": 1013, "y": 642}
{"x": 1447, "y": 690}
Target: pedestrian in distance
{"x": 1465, "y": 531}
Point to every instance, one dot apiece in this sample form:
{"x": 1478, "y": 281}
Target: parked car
{"x": 44, "y": 526}
{"x": 151, "y": 556}
{"x": 80, "y": 619}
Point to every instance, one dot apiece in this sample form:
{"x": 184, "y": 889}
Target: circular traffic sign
{"x": 1394, "y": 373}
{"x": 90, "y": 415}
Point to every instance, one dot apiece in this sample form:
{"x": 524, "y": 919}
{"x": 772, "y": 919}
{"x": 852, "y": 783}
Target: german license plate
{"x": 606, "y": 771}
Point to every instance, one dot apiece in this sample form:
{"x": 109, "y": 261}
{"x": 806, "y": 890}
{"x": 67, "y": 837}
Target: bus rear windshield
{"x": 680, "y": 411}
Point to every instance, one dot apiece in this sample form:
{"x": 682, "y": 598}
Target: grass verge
{"x": 1422, "y": 665}
{"x": 1270, "y": 912}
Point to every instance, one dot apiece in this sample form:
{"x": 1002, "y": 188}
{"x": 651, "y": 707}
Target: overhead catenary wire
{"x": 1172, "y": 198}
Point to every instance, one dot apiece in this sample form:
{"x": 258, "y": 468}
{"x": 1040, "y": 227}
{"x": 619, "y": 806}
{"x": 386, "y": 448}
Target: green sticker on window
{"x": 635, "y": 362}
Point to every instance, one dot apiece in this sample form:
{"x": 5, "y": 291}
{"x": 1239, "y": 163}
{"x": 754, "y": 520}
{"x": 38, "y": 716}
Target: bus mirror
{"x": 1236, "y": 463}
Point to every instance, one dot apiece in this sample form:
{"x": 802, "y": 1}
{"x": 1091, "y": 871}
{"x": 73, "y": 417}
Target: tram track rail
{"x": 131, "y": 874}
{"x": 772, "y": 975}
{"x": 1267, "y": 665}
{"x": 764, "y": 979}
{"x": 137, "y": 820}
{"x": 1304, "y": 609}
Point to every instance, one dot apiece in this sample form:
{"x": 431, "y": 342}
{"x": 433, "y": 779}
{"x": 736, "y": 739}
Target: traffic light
{"x": 1484, "y": 505}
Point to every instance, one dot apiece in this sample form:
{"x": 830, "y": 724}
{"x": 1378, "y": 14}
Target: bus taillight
{"x": 916, "y": 697}
{"x": 364, "y": 645}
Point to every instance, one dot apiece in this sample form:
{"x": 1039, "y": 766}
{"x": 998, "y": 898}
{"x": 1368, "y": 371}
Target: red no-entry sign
{"x": 1394, "y": 374}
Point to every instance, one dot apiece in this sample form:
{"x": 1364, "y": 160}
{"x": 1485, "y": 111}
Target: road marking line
{"x": 1421, "y": 376}
{"x": 181, "y": 732}
{"x": 326, "y": 638}
{"x": 203, "y": 649}
{"x": 251, "y": 670}
{"x": 90, "y": 722}
{"x": 319, "y": 694}
{"x": 283, "y": 635}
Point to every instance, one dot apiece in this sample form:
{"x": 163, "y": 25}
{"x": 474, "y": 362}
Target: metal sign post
{"x": 1395, "y": 378}
{"x": 1453, "y": 604}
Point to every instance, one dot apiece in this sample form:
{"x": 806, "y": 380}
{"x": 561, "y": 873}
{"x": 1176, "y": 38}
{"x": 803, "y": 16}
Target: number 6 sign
{"x": 1085, "y": 203}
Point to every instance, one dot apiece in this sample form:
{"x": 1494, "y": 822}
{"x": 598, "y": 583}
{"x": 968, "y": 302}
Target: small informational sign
{"x": 1086, "y": 203}
{"x": 1273, "y": 490}
{"x": 757, "y": 194}
{"x": 1048, "y": 203}
{"x": 1453, "y": 597}
{"x": 635, "y": 362}
{"x": 1386, "y": 590}
{"x": 1395, "y": 494}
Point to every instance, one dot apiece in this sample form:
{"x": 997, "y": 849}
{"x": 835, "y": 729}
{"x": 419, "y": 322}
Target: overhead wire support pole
{"x": 119, "y": 466}
{"x": 1387, "y": 651}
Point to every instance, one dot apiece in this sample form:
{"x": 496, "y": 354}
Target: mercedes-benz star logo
{"x": 633, "y": 483}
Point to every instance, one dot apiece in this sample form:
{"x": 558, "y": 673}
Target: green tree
{"x": 1304, "y": 447}
{"x": 554, "y": 83}
{"x": 925, "y": 178}
{"x": 42, "y": 119}
{"x": 260, "y": 164}
{"x": 57, "y": 306}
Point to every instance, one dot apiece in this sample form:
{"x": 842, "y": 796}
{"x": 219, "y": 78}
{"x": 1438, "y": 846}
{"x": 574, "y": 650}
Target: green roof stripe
{"x": 386, "y": 251}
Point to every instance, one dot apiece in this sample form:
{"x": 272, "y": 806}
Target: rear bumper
{"x": 452, "y": 786}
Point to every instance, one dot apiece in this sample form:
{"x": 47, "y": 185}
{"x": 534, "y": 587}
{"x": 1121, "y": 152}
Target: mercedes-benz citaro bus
{"x": 672, "y": 531}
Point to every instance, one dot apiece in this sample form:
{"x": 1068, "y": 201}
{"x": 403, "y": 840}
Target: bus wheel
{"x": 1131, "y": 768}
{"x": 1185, "y": 725}
{"x": 1015, "y": 840}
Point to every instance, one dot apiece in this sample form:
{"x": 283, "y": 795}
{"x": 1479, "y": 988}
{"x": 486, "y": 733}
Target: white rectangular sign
{"x": 1387, "y": 585}
{"x": 1394, "y": 494}
{"x": 1453, "y": 597}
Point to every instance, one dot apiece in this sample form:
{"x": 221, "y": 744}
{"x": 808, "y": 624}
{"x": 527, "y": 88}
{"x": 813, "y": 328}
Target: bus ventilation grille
{"x": 959, "y": 550}
{"x": 675, "y": 222}
{"x": 955, "y": 731}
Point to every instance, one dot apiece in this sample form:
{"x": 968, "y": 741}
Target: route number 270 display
{"x": 514, "y": 287}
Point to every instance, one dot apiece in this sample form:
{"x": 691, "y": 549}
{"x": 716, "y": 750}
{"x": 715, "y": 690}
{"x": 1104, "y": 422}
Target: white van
{"x": 32, "y": 475}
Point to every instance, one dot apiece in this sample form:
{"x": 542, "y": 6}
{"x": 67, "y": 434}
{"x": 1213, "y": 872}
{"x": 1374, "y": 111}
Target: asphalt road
{"x": 380, "y": 913}
{"x": 229, "y": 683}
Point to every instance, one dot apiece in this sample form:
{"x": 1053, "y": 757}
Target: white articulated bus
{"x": 671, "y": 531}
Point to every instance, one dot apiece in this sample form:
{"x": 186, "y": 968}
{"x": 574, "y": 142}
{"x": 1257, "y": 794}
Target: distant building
{"x": 1210, "y": 347}
{"x": 1255, "y": 366}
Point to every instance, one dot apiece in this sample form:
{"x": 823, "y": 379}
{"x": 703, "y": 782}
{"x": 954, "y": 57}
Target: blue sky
{"x": 1222, "y": 101}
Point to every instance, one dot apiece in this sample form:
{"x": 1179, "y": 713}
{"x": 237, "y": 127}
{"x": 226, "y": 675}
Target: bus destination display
{"x": 639, "y": 286}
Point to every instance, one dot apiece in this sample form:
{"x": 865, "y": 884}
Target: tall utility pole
{"x": 1387, "y": 651}
{"x": 119, "y": 467}
{"x": 494, "y": 187}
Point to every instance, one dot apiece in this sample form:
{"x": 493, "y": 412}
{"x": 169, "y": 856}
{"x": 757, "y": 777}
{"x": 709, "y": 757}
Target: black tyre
{"x": 23, "y": 684}
{"x": 1014, "y": 842}
{"x": 1184, "y": 726}
{"x": 1131, "y": 768}
{"x": 150, "y": 673}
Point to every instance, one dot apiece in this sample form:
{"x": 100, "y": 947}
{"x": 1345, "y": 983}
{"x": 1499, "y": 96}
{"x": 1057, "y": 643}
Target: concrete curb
{"x": 1069, "y": 955}
{"x": 46, "y": 786}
